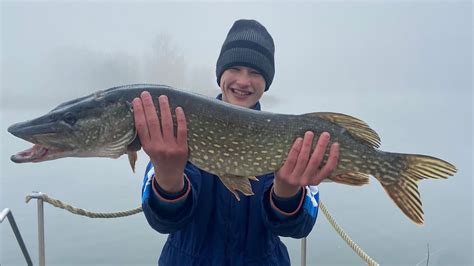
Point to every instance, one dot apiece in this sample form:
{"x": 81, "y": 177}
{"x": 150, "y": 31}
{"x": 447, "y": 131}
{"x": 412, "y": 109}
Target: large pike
{"x": 231, "y": 142}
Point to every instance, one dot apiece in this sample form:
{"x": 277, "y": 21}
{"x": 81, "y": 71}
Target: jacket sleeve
{"x": 298, "y": 224}
{"x": 169, "y": 219}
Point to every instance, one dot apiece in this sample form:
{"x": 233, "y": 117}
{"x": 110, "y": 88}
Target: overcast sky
{"x": 404, "y": 67}
{"x": 337, "y": 48}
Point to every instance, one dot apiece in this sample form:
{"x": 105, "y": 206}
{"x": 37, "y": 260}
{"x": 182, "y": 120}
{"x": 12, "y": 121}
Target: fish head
{"x": 92, "y": 126}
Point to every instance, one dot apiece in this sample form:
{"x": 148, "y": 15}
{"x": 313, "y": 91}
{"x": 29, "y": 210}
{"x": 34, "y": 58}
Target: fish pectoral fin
{"x": 353, "y": 179}
{"x": 240, "y": 183}
{"x": 132, "y": 159}
{"x": 135, "y": 144}
{"x": 355, "y": 126}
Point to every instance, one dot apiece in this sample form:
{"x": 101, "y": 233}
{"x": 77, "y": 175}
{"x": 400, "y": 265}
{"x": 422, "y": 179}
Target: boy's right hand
{"x": 168, "y": 153}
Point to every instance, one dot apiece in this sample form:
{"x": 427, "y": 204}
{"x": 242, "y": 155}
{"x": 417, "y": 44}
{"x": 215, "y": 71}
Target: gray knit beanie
{"x": 248, "y": 44}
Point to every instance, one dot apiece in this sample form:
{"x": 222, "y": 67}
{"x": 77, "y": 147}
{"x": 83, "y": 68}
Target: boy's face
{"x": 242, "y": 86}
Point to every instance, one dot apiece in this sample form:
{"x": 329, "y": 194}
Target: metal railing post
{"x": 41, "y": 246}
{"x": 8, "y": 213}
{"x": 41, "y": 251}
{"x": 303, "y": 251}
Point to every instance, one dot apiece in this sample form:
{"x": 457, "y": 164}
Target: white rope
{"x": 59, "y": 204}
{"x": 346, "y": 237}
{"x": 78, "y": 211}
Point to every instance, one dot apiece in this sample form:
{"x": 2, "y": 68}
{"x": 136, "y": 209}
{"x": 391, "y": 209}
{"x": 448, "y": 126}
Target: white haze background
{"x": 403, "y": 67}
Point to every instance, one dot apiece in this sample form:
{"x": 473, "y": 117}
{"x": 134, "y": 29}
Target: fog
{"x": 403, "y": 67}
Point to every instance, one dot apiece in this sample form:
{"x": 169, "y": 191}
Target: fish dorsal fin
{"x": 355, "y": 126}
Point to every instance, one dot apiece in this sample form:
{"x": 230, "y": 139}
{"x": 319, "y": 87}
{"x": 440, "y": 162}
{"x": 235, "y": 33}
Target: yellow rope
{"x": 78, "y": 211}
{"x": 346, "y": 237}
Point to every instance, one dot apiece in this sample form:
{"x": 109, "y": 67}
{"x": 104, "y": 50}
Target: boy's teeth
{"x": 240, "y": 92}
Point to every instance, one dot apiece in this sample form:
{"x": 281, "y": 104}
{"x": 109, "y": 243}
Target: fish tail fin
{"x": 406, "y": 170}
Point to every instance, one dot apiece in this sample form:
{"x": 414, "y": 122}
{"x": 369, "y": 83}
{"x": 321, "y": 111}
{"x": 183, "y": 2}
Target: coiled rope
{"x": 78, "y": 211}
{"x": 346, "y": 237}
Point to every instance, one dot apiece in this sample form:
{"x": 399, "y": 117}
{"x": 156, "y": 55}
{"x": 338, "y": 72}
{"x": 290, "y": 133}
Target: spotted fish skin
{"x": 232, "y": 142}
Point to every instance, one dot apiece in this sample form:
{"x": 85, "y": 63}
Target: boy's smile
{"x": 242, "y": 86}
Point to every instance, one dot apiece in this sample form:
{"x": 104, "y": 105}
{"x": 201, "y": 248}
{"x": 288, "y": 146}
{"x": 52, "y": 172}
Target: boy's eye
{"x": 255, "y": 72}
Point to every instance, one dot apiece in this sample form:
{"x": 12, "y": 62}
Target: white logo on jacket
{"x": 149, "y": 175}
{"x": 311, "y": 193}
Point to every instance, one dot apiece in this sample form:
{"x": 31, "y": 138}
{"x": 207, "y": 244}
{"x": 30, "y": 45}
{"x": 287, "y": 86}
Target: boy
{"x": 205, "y": 222}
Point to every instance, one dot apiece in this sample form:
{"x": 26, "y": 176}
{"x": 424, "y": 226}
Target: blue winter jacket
{"x": 213, "y": 228}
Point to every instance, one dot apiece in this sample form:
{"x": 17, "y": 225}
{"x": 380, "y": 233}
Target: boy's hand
{"x": 168, "y": 153}
{"x": 302, "y": 167}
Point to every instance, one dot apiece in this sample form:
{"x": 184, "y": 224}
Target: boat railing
{"x": 41, "y": 198}
{"x": 7, "y": 213}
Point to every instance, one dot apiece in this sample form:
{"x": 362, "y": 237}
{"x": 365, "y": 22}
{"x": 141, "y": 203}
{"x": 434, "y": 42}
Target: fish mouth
{"x": 33, "y": 154}
{"x": 37, "y": 153}
{"x": 45, "y": 138}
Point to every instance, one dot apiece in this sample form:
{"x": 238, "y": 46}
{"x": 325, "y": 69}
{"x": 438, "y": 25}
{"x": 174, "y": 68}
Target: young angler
{"x": 206, "y": 224}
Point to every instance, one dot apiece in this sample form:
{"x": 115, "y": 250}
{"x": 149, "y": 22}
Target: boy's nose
{"x": 243, "y": 80}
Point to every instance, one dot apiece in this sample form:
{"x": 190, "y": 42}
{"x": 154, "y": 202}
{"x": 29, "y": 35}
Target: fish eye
{"x": 70, "y": 119}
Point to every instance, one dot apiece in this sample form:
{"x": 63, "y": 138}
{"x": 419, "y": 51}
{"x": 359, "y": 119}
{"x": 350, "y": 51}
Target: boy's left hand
{"x": 302, "y": 168}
